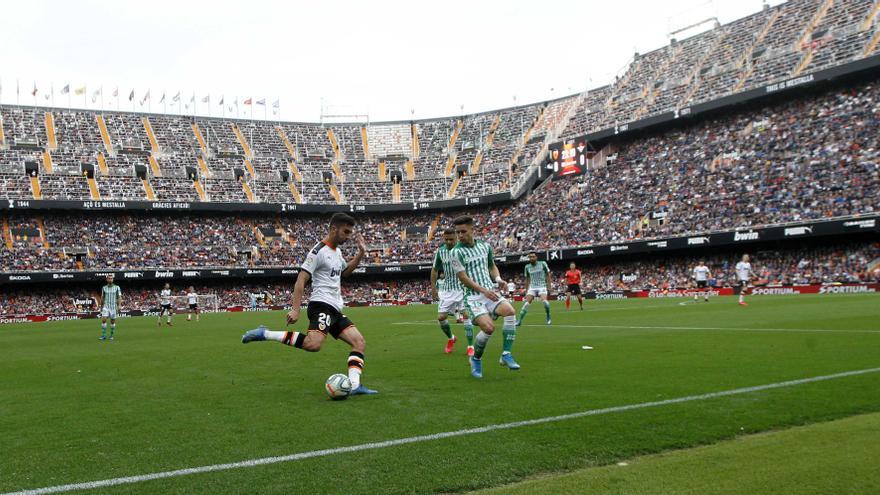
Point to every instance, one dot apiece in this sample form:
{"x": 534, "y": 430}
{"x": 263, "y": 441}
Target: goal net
{"x": 206, "y": 302}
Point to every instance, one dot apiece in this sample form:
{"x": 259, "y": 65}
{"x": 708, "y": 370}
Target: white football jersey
{"x": 743, "y": 270}
{"x": 511, "y": 287}
{"x": 192, "y": 298}
{"x": 325, "y": 264}
{"x": 701, "y": 273}
{"x": 166, "y": 296}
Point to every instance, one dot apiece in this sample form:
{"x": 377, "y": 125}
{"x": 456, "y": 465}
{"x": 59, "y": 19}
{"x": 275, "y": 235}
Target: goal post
{"x": 207, "y": 303}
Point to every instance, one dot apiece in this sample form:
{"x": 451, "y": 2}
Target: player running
{"x": 537, "y": 274}
{"x": 193, "y": 300}
{"x": 511, "y": 288}
{"x": 701, "y": 276}
{"x": 744, "y": 274}
{"x": 573, "y": 286}
{"x": 165, "y": 303}
{"x": 474, "y": 265}
{"x": 324, "y": 266}
{"x": 109, "y": 301}
{"x": 449, "y": 292}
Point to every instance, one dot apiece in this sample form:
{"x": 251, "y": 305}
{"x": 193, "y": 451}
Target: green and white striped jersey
{"x": 110, "y": 293}
{"x": 475, "y": 262}
{"x": 537, "y": 274}
{"x": 443, "y": 263}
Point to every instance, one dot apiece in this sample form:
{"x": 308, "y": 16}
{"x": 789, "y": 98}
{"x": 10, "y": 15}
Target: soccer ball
{"x": 338, "y": 386}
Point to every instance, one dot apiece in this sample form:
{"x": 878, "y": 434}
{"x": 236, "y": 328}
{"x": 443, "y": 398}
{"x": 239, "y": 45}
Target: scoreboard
{"x": 569, "y": 157}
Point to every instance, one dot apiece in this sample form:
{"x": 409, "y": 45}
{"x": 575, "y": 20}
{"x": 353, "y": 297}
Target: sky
{"x": 376, "y": 60}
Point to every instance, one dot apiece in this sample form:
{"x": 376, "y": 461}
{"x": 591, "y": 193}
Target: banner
{"x": 775, "y": 233}
{"x": 199, "y": 206}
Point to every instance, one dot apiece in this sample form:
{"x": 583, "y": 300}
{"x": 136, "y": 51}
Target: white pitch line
{"x": 427, "y": 438}
{"x": 634, "y": 327}
{"x": 728, "y": 329}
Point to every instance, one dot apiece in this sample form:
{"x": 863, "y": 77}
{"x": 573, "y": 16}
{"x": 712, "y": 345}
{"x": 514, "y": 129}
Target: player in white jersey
{"x": 701, "y": 276}
{"x": 165, "y": 303}
{"x": 110, "y": 300}
{"x": 193, "y": 300}
{"x": 449, "y": 292}
{"x": 324, "y": 266}
{"x": 511, "y": 288}
{"x": 744, "y": 275}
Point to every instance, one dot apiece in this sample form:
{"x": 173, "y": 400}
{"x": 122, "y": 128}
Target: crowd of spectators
{"x": 792, "y": 38}
{"x": 812, "y": 158}
{"x": 839, "y": 263}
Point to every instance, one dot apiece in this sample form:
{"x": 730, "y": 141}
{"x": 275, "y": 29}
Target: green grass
{"x": 73, "y": 409}
{"x": 836, "y": 457}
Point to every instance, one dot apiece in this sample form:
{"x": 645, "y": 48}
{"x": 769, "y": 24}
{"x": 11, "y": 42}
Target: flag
{"x": 193, "y": 99}
{"x": 145, "y": 98}
{"x": 276, "y": 103}
{"x": 162, "y": 100}
{"x": 65, "y": 89}
{"x": 95, "y": 95}
{"x": 176, "y": 97}
{"x": 261, "y": 102}
{"x": 131, "y": 96}
{"x": 206, "y": 99}
{"x": 34, "y": 92}
{"x": 116, "y": 92}
{"x": 80, "y": 91}
{"x": 221, "y": 100}
{"x": 247, "y": 102}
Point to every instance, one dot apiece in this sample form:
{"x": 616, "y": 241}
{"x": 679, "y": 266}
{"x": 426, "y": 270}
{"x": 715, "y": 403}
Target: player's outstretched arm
{"x": 495, "y": 273}
{"x": 298, "y": 288}
{"x": 354, "y": 262}
{"x": 434, "y": 283}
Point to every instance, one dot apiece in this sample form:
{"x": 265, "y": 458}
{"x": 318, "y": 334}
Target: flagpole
{"x": 53, "y": 94}
{"x": 102, "y": 98}
{"x": 17, "y": 93}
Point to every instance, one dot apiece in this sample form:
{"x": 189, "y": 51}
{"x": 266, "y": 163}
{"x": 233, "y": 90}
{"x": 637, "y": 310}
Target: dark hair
{"x": 532, "y": 252}
{"x": 342, "y": 219}
{"x": 449, "y": 231}
{"x": 463, "y": 220}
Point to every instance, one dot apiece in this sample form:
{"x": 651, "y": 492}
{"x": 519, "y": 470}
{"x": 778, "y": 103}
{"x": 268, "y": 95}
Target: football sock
{"x": 355, "y": 368}
{"x": 547, "y": 308}
{"x": 567, "y": 303}
{"x": 509, "y": 332}
{"x": 294, "y": 339}
{"x": 480, "y": 344}
{"x": 740, "y": 297}
{"x": 523, "y": 311}
{"x": 581, "y": 302}
{"x": 112, "y": 329}
{"x": 444, "y": 325}
{"x": 469, "y": 332}
{"x": 188, "y": 317}
{"x": 103, "y": 329}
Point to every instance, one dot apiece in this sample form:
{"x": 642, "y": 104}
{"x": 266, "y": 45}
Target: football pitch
{"x": 189, "y": 409}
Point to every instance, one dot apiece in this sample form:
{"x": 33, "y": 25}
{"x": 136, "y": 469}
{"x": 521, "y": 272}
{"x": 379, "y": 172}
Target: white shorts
{"x": 478, "y": 305}
{"x": 108, "y": 313}
{"x": 537, "y": 292}
{"x": 450, "y": 301}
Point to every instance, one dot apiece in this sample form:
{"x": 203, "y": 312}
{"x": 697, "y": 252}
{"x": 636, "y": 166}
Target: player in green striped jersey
{"x": 537, "y": 274}
{"x": 449, "y": 292}
{"x": 110, "y": 300}
{"x": 474, "y": 265}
